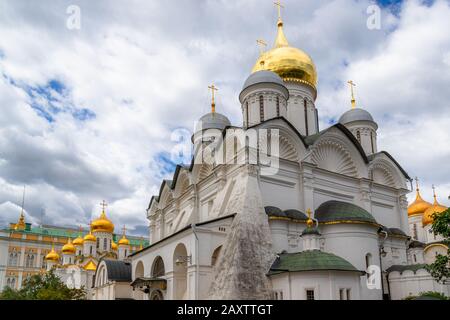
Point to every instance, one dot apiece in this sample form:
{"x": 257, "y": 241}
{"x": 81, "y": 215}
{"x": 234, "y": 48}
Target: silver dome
{"x": 356, "y": 114}
{"x": 262, "y": 76}
{"x": 212, "y": 121}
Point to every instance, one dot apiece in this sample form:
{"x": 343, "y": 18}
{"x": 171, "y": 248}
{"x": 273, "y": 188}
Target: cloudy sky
{"x": 95, "y": 113}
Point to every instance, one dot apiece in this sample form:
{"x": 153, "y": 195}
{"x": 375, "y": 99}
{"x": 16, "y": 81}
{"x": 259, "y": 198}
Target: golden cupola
{"x": 290, "y": 63}
{"x": 435, "y": 208}
{"x": 419, "y": 206}
{"x": 102, "y": 224}
{"x": 124, "y": 241}
{"x": 52, "y": 255}
{"x": 89, "y": 237}
{"x": 68, "y": 248}
{"x": 114, "y": 246}
{"x": 79, "y": 240}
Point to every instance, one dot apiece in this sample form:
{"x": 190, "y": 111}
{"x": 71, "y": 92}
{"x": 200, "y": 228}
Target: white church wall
{"x": 409, "y": 283}
{"x": 326, "y": 284}
{"x": 353, "y": 242}
{"x": 432, "y": 251}
{"x": 396, "y": 253}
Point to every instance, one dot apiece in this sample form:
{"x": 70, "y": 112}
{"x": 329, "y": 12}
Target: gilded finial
{"x": 434, "y": 193}
{"x": 352, "y": 85}
{"x": 310, "y": 221}
{"x": 279, "y": 6}
{"x": 124, "y": 229}
{"x": 213, "y": 102}
{"x": 262, "y": 46}
{"x": 281, "y": 40}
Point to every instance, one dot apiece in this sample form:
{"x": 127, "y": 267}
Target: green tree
{"x": 46, "y": 286}
{"x": 440, "y": 269}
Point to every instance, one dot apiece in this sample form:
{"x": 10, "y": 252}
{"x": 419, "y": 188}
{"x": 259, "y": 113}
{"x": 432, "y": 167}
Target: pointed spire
{"x": 352, "y": 85}
{"x": 280, "y": 40}
{"x": 310, "y": 221}
{"x": 213, "y": 102}
{"x": 434, "y": 195}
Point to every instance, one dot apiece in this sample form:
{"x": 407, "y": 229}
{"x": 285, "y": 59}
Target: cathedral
{"x": 273, "y": 208}
{"x": 331, "y": 221}
{"x": 26, "y": 250}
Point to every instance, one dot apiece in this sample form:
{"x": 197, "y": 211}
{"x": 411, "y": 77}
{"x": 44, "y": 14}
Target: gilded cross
{"x": 124, "y": 229}
{"x": 213, "y": 88}
{"x": 262, "y": 45}
{"x": 279, "y": 6}
{"x": 352, "y": 85}
{"x": 104, "y": 205}
{"x": 417, "y": 183}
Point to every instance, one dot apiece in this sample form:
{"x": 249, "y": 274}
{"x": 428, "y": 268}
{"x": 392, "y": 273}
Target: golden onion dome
{"x": 435, "y": 208}
{"x": 124, "y": 241}
{"x": 68, "y": 248}
{"x": 102, "y": 224}
{"x": 90, "y": 237}
{"x": 114, "y": 246}
{"x": 90, "y": 266}
{"x": 290, "y": 63}
{"x": 52, "y": 255}
{"x": 419, "y": 206}
{"x": 78, "y": 241}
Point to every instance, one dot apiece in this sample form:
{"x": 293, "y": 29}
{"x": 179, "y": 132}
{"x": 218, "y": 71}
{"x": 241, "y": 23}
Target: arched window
{"x": 368, "y": 260}
{"x": 305, "y": 105}
{"x": 11, "y": 259}
{"x": 415, "y": 231}
{"x": 415, "y": 258}
{"x": 278, "y": 106}
{"x": 215, "y": 256}
{"x": 90, "y": 250}
{"x": 105, "y": 243}
{"x": 158, "y": 269}
{"x": 371, "y": 142}
{"x": 261, "y": 108}
{"x": 126, "y": 253}
{"x": 98, "y": 243}
{"x": 358, "y": 136}
{"x": 13, "y": 283}
{"x": 246, "y": 114}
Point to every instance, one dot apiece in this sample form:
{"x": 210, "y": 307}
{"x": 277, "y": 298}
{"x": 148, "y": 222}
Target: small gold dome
{"x": 90, "y": 266}
{"x": 114, "y": 245}
{"x": 290, "y": 63}
{"x": 68, "y": 248}
{"x": 102, "y": 224}
{"x": 124, "y": 241}
{"x": 52, "y": 256}
{"x": 78, "y": 241}
{"x": 419, "y": 206}
{"x": 90, "y": 237}
{"x": 428, "y": 214}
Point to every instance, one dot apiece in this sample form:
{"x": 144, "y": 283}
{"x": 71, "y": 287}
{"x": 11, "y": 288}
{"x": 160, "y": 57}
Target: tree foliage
{"x": 440, "y": 268}
{"x": 46, "y": 286}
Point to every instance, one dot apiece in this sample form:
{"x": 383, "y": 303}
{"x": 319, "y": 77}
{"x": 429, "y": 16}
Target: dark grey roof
{"x": 212, "y": 120}
{"x": 308, "y": 231}
{"x": 356, "y": 114}
{"x": 397, "y": 231}
{"x": 402, "y": 268}
{"x": 119, "y": 271}
{"x": 333, "y": 210}
{"x": 295, "y": 214}
{"x": 262, "y": 76}
{"x": 416, "y": 244}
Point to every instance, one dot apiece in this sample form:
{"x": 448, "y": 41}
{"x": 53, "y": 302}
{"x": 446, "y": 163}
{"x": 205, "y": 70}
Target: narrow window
{"x": 261, "y": 108}
{"x": 98, "y": 243}
{"x": 306, "y": 116}
{"x": 90, "y": 250}
{"x": 348, "y": 294}
{"x": 415, "y": 258}
{"x": 358, "y": 136}
{"x": 341, "y": 294}
{"x": 246, "y": 115}
{"x": 310, "y": 295}
{"x": 281, "y": 295}
{"x": 371, "y": 142}
{"x": 415, "y": 231}
{"x": 278, "y": 106}
{"x": 105, "y": 243}
{"x": 125, "y": 252}
{"x": 368, "y": 262}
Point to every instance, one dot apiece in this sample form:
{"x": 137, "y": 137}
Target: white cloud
{"x": 143, "y": 68}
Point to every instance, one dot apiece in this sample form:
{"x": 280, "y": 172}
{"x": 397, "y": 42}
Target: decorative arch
{"x": 331, "y": 155}
{"x": 382, "y": 171}
{"x": 205, "y": 171}
{"x": 215, "y": 256}
{"x": 139, "y": 273}
{"x": 158, "y": 268}
{"x": 180, "y": 264}
{"x": 166, "y": 196}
